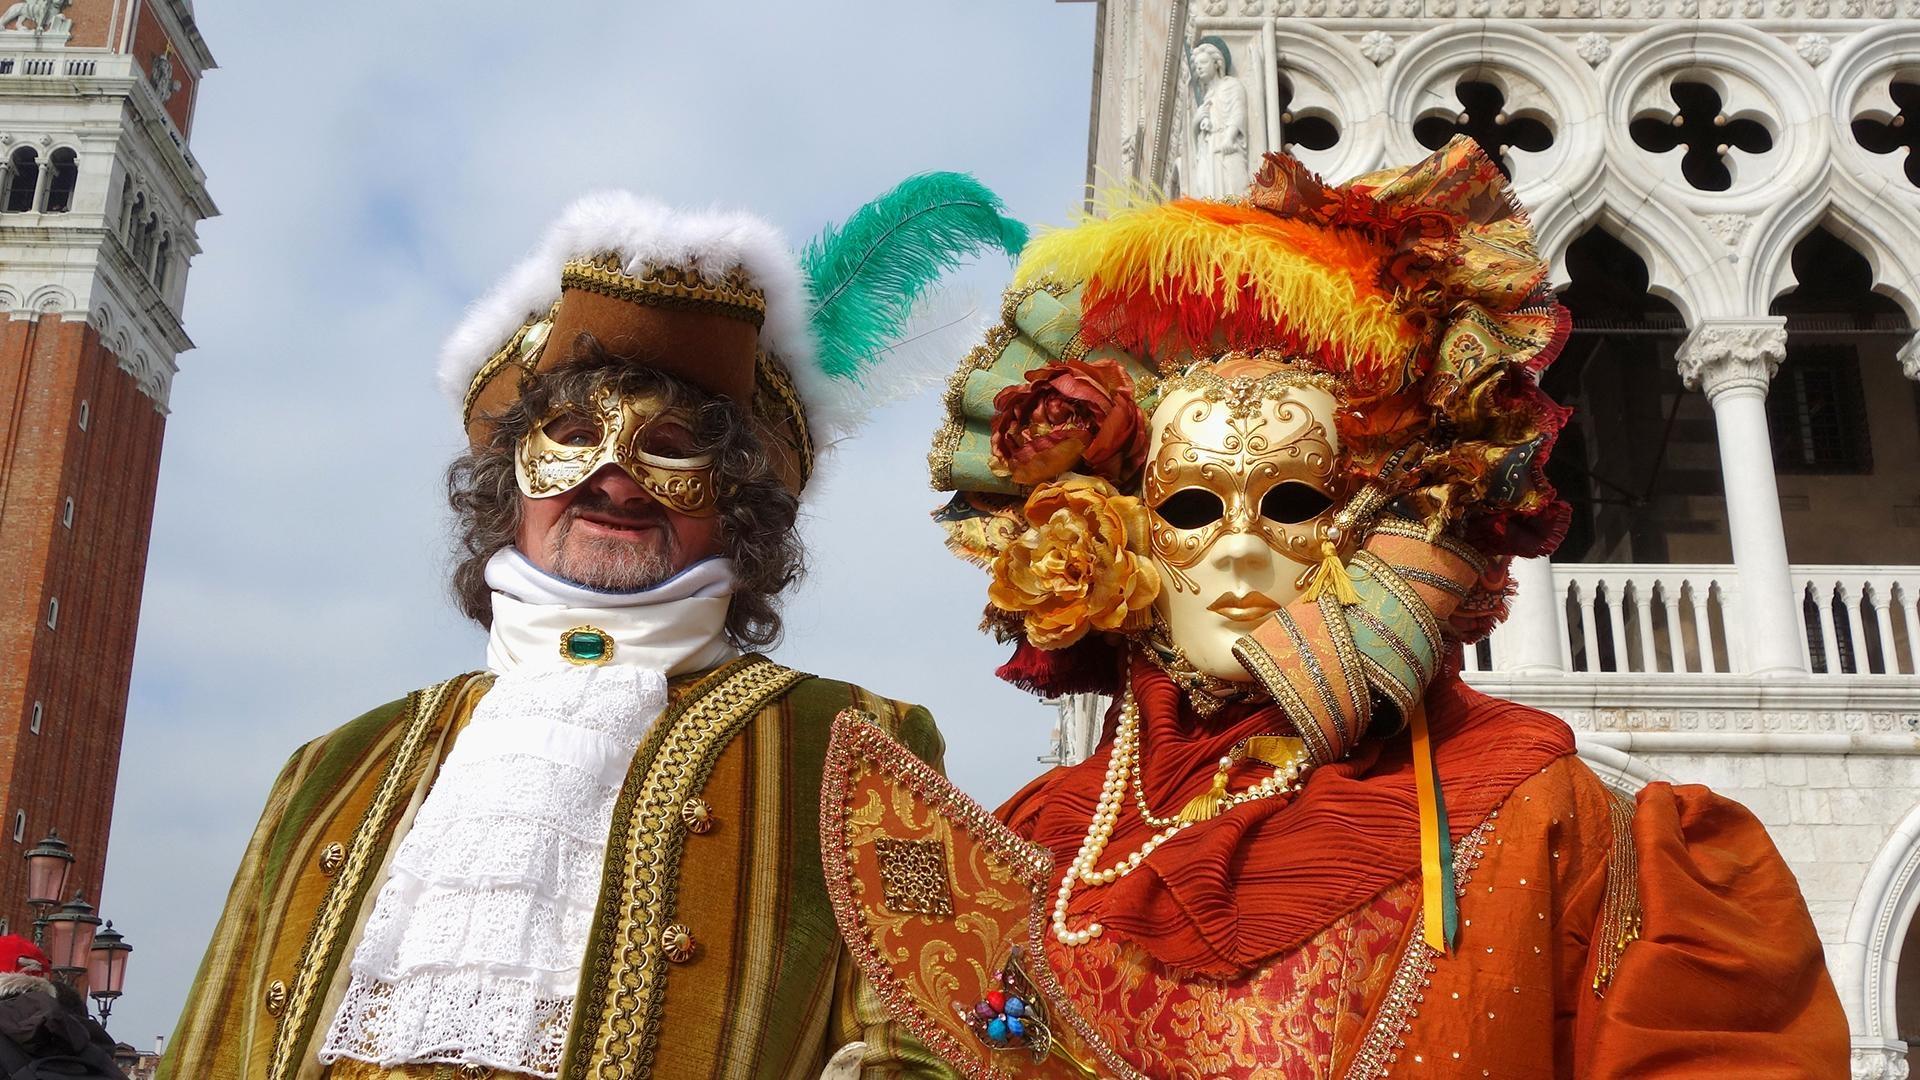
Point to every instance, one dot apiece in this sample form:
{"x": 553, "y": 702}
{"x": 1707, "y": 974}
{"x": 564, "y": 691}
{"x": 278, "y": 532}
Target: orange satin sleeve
{"x": 1728, "y": 977}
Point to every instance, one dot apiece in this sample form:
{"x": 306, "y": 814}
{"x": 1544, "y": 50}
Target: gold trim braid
{"x": 618, "y": 1016}
{"x": 731, "y": 295}
{"x": 1620, "y": 909}
{"x": 327, "y": 941}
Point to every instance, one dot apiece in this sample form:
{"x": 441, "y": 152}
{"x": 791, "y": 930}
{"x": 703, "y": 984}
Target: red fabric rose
{"x": 1069, "y": 416}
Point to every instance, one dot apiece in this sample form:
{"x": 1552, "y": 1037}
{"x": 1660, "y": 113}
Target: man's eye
{"x": 1191, "y": 508}
{"x": 573, "y": 431}
{"x": 1294, "y": 502}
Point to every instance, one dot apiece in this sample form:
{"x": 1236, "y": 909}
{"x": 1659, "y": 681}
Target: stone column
{"x": 1733, "y": 360}
{"x": 1910, "y": 358}
{"x": 1529, "y": 641}
{"x": 41, "y": 182}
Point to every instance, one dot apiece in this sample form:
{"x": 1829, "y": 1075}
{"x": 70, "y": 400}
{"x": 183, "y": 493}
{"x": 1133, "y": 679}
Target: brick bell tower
{"x": 100, "y": 197}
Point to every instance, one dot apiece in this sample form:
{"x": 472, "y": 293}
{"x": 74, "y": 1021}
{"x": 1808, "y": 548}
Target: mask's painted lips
{"x": 1244, "y": 607}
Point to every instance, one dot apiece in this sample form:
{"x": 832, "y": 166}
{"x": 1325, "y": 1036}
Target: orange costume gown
{"x": 1281, "y": 940}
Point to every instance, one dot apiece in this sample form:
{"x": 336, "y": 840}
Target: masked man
{"x": 597, "y": 857}
{"x": 1256, "y": 469}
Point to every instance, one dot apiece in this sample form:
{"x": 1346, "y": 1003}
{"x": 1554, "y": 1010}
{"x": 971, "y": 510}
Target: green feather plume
{"x": 866, "y": 275}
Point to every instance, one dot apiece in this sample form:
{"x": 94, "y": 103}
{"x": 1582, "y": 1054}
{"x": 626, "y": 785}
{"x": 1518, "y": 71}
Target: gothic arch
{"x": 1879, "y": 233}
{"x": 1883, "y": 913}
{"x": 1680, "y": 268}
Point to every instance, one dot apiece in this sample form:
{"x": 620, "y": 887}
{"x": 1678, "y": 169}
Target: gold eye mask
{"x": 1246, "y": 456}
{"x": 570, "y": 444}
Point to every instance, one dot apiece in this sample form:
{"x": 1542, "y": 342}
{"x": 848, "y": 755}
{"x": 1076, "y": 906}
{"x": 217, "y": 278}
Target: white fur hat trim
{"x": 642, "y": 231}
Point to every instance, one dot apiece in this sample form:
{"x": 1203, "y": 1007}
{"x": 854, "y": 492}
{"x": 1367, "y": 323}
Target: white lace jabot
{"x": 472, "y": 952}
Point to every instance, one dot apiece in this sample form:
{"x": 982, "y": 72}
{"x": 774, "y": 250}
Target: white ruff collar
{"x": 678, "y": 626}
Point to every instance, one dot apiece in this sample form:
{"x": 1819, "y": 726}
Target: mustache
{"x": 602, "y": 507}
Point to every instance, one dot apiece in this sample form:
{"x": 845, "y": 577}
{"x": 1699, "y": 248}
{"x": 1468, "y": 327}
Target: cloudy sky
{"x": 376, "y": 167}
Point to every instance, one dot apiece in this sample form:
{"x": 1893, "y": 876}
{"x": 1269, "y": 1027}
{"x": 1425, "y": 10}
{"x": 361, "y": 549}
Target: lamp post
{"x": 69, "y": 944}
{"x": 47, "y": 868}
{"x": 107, "y": 969}
{"x": 84, "y": 956}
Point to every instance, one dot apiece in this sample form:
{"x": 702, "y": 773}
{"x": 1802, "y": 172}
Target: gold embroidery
{"x": 1394, "y": 1018}
{"x": 320, "y": 958}
{"x": 522, "y": 349}
{"x": 914, "y": 873}
{"x": 731, "y": 295}
{"x": 617, "y": 1021}
{"x": 777, "y": 403}
{"x": 1620, "y": 910}
{"x": 858, "y": 738}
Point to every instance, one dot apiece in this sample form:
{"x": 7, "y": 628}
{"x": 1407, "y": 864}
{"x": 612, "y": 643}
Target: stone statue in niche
{"x": 44, "y": 15}
{"x": 1219, "y": 162}
{"x": 162, "y": 78}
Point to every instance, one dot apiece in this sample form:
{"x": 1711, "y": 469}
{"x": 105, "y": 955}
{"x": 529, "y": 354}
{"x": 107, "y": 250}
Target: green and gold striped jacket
{"x": 713, "y": 951}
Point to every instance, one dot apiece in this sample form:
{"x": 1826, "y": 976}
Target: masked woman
{"x": 1257, "y": 469}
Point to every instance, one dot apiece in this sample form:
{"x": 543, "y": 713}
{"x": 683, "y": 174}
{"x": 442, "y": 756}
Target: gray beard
{"x": 610, "y": 565}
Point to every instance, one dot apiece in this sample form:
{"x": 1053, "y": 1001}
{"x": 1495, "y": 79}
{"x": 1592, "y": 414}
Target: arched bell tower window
{"x": 22, "y": 177}
{"x": 66, "y": 176}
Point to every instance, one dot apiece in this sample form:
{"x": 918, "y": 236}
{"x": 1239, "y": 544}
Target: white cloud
{"x": 376, "y": 168}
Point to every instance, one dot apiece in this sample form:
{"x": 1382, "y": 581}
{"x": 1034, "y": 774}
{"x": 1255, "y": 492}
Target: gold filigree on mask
{"x": 572, "y": 443}
{"x": 1247, "y": 454}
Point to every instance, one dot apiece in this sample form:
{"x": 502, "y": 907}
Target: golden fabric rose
{"x": 1082, "y": 565}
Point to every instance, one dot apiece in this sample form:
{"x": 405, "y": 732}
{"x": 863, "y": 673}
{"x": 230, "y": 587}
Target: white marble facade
{"x": 119, "y": 252}
{"x": 1828, "y": 759}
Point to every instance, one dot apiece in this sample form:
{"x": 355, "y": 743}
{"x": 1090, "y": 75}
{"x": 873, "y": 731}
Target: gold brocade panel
{"x": 934, "y": 897}
{"x": 1301, "y": 1017}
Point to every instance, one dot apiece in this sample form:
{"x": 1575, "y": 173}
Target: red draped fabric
{"x": 1224, "y": 896}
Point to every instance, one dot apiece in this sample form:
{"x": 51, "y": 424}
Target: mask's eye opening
{"x": 668, "y": 437}
{"x": 1191, "y": 508}
{"x": 1293, "y": 502}
{"x": 571, "y": 428}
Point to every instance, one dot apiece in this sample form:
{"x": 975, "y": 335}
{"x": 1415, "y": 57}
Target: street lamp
{"x": 47, "y": 867}
{"x": 70, "y": 939}
{"x": 107, "y": 969}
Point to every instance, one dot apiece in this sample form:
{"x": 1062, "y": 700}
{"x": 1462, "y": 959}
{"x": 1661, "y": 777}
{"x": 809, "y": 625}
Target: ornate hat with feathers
{"x": 719, "y": 299}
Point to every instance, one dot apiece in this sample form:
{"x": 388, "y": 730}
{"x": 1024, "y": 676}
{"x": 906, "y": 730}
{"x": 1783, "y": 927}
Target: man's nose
{"x": 612, "y": 483}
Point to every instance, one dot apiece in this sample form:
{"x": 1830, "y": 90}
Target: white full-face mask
{"x": 1241, "y": 482}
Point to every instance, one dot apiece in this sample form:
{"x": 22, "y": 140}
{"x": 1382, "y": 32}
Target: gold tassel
{"x": 1206, "y": 805}
{"x": 1331, "y": 576}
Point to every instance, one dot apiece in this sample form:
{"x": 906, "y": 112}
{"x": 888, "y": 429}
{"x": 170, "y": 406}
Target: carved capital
{"x": 1878, "y": 1063}
{"x": 1910, "y": 358}
{"x": 1734, "y": 355}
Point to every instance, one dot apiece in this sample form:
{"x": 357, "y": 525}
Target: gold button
{"x": 474, "y": 1072}
{"x": 276, "y": 997}
{"x": 332, "y": 858}
{"x": 697, "y": 816}
{"x": 679, "y": 944}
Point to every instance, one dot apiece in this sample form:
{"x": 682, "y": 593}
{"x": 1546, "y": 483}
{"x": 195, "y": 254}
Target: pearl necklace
{"x": 1123, "y": 765}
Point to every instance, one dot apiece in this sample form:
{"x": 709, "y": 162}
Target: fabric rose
{"x": 1069, "y": 416}
{"x": 1082, "y": 565}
